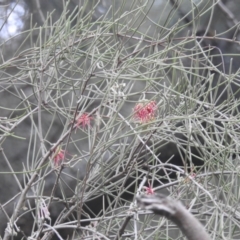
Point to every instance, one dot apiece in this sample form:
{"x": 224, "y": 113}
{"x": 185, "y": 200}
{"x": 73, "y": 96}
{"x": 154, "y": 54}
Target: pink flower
{"x": 58, "y": 156}
{"x": 145, "y": 112}
{"x": 83, "y": 120}
{"x": 149, "y": 190}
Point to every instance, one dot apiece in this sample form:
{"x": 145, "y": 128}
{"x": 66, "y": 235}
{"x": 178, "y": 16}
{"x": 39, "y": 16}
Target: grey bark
{"x": 176, "y": 212}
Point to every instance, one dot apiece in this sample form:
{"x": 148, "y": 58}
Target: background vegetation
{"x": 104, "y": 100}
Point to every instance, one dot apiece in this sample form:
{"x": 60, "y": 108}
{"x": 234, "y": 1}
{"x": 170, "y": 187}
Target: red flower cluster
{"x": 83, "y": 120}
{"x": 145, "y": 112}
{"x": 58, "y": 156}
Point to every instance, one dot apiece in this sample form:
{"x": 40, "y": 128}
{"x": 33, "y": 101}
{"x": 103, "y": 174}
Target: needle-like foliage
{"x": 101, "y": 108}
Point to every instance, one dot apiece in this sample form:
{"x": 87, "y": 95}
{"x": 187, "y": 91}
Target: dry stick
{"x": 176, "y": 212}
{"x": 128, "y": 218}
{"x": 123, "y": 226}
